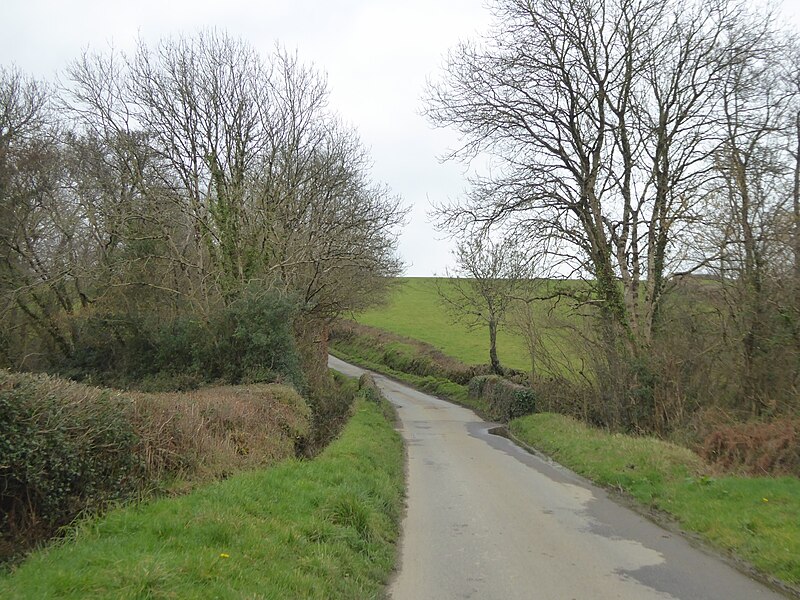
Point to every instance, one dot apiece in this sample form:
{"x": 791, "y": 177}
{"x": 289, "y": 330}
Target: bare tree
{"x": 36, "y": 281}
{"x": 601, "y": 116}
{"x": 754, "y": 194}
{"x": 173, "y": 181}
{"x": 272, "y": 185}
{"x": 488, "y": 278}
{"x": 791, "y": 79}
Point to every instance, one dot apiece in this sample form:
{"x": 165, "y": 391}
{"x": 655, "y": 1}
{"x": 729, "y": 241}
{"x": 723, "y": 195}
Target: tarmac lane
{"x": 487, "y": 520}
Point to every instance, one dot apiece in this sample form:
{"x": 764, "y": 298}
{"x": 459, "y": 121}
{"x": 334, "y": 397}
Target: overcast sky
{"x": 376, "y": 53}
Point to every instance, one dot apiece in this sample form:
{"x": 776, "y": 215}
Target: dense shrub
{"x": 756, "y": 448}
{"x": 248, "y": 341}
{"x": 64, "y": 448}
{"x": 368, "y": 388}
{"x": 330, "y": 398}
{"x": 68, "y": 449}
{"x": 504, "y": 399}
{"x": 567, "y": 397}
{"x": 254, "y": 340}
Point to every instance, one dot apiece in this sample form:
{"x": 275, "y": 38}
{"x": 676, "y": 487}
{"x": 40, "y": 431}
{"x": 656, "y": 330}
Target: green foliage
{"x": 254, "y": 338}
{"x": 753, "y": 517}
{"x": 317, "y": 529}
{"x": 504, "y": 399}
{"x": 248, "y": 341}
{"x": 64, "y": 449}
{"x": 477, "y": 384}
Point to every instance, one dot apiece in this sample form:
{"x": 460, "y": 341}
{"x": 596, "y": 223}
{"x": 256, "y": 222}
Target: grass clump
{"x": 303, "y": 529}
{"x": 753, "y": 518}
{"x": 211, "y": 433}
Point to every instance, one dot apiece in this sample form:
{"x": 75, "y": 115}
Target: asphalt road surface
{"x": 487, "y": 520}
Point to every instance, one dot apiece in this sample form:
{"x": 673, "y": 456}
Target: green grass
{"x": 754, "y": 518}
{"x": 318, "y": 529}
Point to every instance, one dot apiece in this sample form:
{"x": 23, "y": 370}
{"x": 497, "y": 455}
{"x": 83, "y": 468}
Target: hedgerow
{"x": 67, "y": 449}
{"x": 504, "y": 399}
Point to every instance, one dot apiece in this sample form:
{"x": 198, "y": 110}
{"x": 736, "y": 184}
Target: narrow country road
{"x": 487, "y": 520}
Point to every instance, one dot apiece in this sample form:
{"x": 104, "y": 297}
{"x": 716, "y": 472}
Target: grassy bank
{"x": 428, "y": 369}
{"x": 753, "y": 518}
{"x": 317, "y": 529}
{"x": 70, "y": 450}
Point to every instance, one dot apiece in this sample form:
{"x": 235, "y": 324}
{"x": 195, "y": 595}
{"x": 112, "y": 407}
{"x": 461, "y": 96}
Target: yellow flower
{"x": 223, "y": 555}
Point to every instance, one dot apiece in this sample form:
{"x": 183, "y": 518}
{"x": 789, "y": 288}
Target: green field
{"x": 415, "y": 310}
{"x": 323, "y": 529}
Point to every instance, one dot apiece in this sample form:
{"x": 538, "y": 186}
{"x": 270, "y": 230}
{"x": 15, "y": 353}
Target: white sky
{"x": 377, "y": 55}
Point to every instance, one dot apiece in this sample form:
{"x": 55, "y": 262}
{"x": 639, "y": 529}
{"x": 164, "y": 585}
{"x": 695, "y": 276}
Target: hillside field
{"x": 415, "y": 310}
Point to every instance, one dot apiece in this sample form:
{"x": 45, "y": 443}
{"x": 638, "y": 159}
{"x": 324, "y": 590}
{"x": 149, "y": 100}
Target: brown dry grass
{"x": 213, "y": 432}
{"x": 771, "y": 448}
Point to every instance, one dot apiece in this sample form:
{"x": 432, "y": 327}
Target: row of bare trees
{"x": 166, "y": 182}
{"x": 642, "y": 145}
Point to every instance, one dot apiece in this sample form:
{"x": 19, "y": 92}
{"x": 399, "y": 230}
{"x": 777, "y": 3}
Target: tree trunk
{"x": 796, "y": 213}
{"x": 495, "y": 362}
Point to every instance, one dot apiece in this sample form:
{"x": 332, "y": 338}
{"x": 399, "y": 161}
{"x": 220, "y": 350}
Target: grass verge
{"x": 70, "y": 450}
{"x": 316, "y": 529}
{"x": 752, "y": 518}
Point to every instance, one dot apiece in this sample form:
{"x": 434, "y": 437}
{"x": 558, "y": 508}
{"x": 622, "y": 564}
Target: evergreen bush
{"x": 505, "y": 400}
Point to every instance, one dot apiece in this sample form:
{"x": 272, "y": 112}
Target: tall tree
{"x": 754, "y": 195}
{"x": 601, "y": 116}
{"x": 36, "y": 229}
{"x": 172, "y": 183}
{"x": 598, "y": 111}
{"x": 272, "y": 186}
